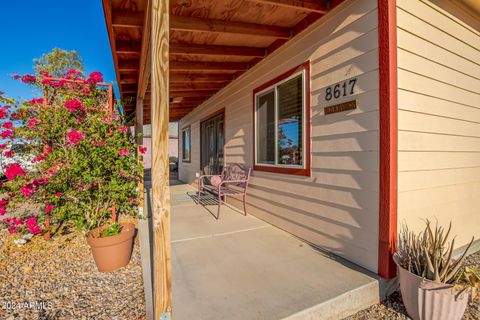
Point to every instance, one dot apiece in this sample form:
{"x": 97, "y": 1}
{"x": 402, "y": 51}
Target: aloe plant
{"x": 429, "y": 254}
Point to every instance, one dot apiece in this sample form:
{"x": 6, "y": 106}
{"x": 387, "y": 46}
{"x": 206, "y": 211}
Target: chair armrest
{"x": 233, "y": 181}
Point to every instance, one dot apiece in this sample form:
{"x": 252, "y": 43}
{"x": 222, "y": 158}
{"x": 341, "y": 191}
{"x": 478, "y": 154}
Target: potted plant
{"x": 434, "y": 286}
{"x": 85, "y": 163}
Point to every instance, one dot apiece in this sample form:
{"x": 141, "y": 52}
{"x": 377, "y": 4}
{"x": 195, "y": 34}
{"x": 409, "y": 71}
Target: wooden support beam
{"x": 145, "y": 58}
{"x": 207, "y": 66}
{"x": 128, "y": 47}
{"x": 199, "y": 77}
{"x": 128, "y": 65}
{"x": 127, "y": 19}
{"x": 184, "y": 23}
{"x": 160, "y": 161}
{"x": 191, "y": 86}
{"x": 207, "y": 50}
{"x": 308, "y": 6}
{"x": 190, "y": 93}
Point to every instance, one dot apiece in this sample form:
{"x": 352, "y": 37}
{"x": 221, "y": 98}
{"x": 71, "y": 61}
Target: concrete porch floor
{"x": 239, "y": 267}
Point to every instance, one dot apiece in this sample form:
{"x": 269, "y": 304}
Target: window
{"x": 282, "y": 123}
{"x": 186, "y": 145}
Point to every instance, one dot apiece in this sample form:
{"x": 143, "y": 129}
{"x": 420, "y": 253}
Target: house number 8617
{"x": 343, "y": 89}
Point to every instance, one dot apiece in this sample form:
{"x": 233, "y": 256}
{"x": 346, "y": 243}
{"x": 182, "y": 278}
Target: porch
{"x": 241, "y": 267}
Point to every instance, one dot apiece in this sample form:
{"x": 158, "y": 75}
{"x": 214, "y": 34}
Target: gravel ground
{"x": 392, "y": 308}
{"x": 57, "y": 279}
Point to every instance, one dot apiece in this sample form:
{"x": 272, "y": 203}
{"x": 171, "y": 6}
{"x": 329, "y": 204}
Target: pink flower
{"x": 49, "y": 208}
{"x": 134, "y": 201}
{"x": 58, "y": 194}
{"x": 142, "y": 150}
{"x": 122, "y": 174}
{"x": 35, "y": 230}
{"x": 9, "y": 154}
{"x": 14, "y": 170}
{"x": 51, "y": 171}
{"x": 17, "y": 221}
{"x": 124, "y": 152}
{"x": 33, "y": 123}
{"x": 94, "y": 78}
{"x": 122, "y": 129}
{"x": 44, "y": 73}
{"x": 73, "y": 105}
{"x": 3, "y": 146}
{"x": 28, "y": 78}
{"x": 28, "y": 190}
{"x": 16, "y": 76}
{"x": 31, "y": 222}
{"x": 12, "y": 229}
{"x": 7, "y": 125}
{"x": 3, "y": 210}
{"x": 75, "y": 136}
{"x": 36, "y": 101}
{"x": 7, "y": 133}
{"x": 107, "y": 119}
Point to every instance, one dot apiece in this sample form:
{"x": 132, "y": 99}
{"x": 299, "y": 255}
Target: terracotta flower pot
{"x": 113, "y": 252}
{"x": 428, "y": 300}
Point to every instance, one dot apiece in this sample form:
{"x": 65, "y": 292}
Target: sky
{"x": 31, "y": 28}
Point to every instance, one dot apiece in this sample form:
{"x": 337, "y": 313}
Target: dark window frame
{"x": 184, "y": 130}
{"x": 305, "y": 170}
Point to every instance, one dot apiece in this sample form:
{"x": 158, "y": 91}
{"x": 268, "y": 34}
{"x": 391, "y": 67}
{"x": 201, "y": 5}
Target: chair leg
{"x": 219, "y": 205}
{"x": 245, "y": 204}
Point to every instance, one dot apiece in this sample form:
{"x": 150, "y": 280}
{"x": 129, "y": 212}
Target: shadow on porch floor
{"x": 240, "y": 267}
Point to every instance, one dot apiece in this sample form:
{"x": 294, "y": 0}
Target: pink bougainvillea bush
{"x": 82, "y": 158}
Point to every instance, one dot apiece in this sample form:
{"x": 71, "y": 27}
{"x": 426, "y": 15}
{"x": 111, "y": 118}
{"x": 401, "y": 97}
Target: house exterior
{"x": 356, "y": 116}
{"x": 332, "y": 198}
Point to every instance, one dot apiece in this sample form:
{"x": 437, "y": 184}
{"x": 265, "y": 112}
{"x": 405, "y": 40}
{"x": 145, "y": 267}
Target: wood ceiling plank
{"x": 128, "y": 65}
{"x": 196, "y": 86}
{"x": 199, "y": 77}
{"x": 205, "y": 50}
{"x": 308, "y": 6}
{"x": 127, "y": 19}
{"x": 129, "y": 78}
{"x": 194, "y": 24}
{"x": 192, "y": 93}
{"x": 126, "y": 46}
{"x": 207, "y": 66}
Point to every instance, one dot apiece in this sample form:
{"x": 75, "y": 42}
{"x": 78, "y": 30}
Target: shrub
{"x": 84, "y": 157}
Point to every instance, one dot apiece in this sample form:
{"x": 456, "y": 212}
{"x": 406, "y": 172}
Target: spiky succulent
{"x": 429, "y": 253}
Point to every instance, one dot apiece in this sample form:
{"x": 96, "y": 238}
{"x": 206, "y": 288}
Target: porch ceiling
{"x": 211, "y": 43}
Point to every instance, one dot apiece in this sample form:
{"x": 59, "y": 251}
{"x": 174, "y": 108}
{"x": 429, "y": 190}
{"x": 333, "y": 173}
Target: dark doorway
{"x": 211, "y": 144}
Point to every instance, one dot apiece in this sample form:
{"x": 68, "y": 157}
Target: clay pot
{"x": 113, "y": 252}
{"x": 429, "y": 300}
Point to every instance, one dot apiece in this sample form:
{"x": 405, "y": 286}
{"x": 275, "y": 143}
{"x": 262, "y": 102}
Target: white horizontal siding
{"x": 438, "y": 119}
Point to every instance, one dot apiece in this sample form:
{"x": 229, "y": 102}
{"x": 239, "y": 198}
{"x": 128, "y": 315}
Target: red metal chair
{"x": 234, "y": 182}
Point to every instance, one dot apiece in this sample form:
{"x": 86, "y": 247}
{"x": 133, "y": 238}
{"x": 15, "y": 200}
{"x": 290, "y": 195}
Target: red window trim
{"x": 293, "y": 171}
{"x": 387, "y": 43}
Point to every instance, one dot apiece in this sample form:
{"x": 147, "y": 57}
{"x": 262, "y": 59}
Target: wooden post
{"x": 139, "y": 131}
{"x": 162, "y": 275}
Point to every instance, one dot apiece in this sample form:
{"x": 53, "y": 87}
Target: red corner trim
{"x": 387, "y": 41}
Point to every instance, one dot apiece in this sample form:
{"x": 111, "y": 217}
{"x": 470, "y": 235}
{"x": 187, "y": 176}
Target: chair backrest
{"x": 236, "y": 171}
